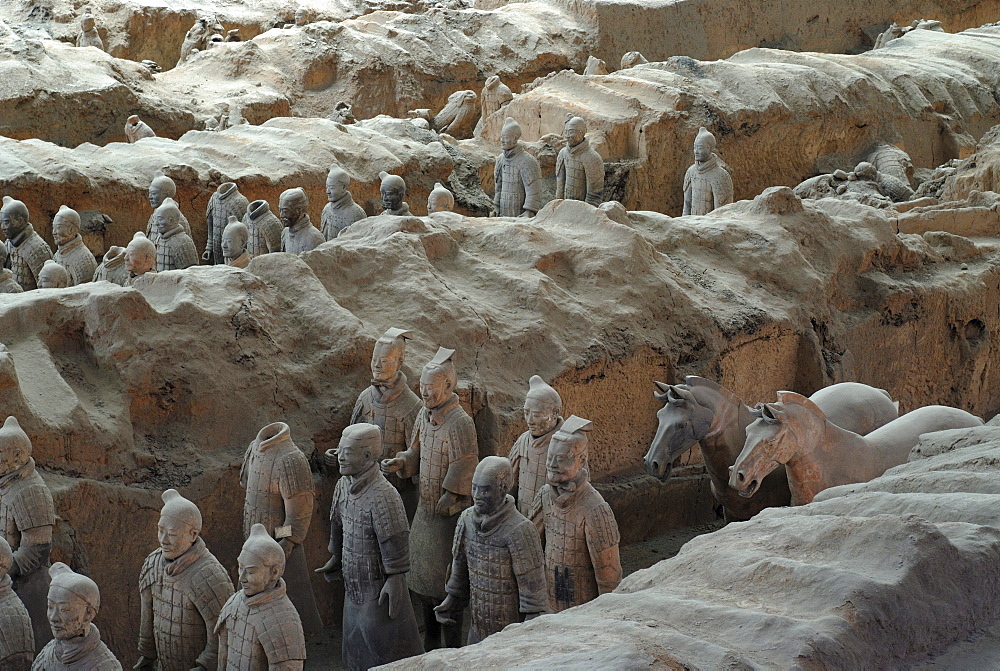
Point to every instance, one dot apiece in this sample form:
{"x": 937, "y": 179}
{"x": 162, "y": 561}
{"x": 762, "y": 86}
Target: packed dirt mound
{"x": 779, "y": 117}
{"x": 854, "y": 580}
{"x": 134, "y": 388}
{"x": 979, "y": 172}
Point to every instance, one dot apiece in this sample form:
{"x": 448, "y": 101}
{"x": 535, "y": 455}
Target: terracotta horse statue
{"x": 817, "y": 454}
{"x": 701, "y": 411}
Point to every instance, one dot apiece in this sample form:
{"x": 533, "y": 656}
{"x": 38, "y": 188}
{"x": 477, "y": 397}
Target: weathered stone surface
{"x": 780, "y": 117}
{"x": 866, "y": 576}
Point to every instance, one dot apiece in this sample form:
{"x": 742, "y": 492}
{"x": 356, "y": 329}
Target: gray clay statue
{"x": 161, "y": 188}
{"x": 137, "y": 129}
{"x": 705, "y": 413}
{"x": 227, "y": 201}
{"x": 369, "y": 543}
{"x": 299, "y": 234}
{"x": 444, "y": 452}
{"x": 458, "y": 116}
{"x": 280, "y": 496}
{"x": 88, "y": 35}
{"x": 8, "y": 285}
{"x": 112, "y": 267}
{"x": 17, "y": 643}
{"x": 140, "y": 257}
{"x": 71, "y": 253}
{"x": 498, "y": 567}
{"x": 234, "y": 244}
{"x": 52, "y": 276}
{"x": 263, "y": 229}
{"x": 577, "y": 528}
{"x": 707, "y": 184}
{"x": 517, "y": 175}
{"x": 26, "y": 251}
{"x": 440, "y": 199}
{"x": 182, "y": 589}
{"x": 579, "y": 169}
{"x": 393, "y": 190}
{"x": 542, "y": 414}
{"x": 27, "y": 517}
{"x": 595, "y": 66}
{"x": 259, "y": 628}
{"x": 341, "y": 211}
{"x": 175, "y": 249}
{"x": 73, "y": 602}
{"x": 818, "y": 454}
{"x": 495, "y": 96}
{"x": 632, "y": 59}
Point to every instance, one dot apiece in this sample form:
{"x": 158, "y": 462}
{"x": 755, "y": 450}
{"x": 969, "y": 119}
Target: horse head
{"x": 779, "y": 432}
{"x": 683, "y": 421}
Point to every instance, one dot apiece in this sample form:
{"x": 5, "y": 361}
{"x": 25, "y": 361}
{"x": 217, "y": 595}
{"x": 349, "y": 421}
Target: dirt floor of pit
{"x": 324, "y": 651}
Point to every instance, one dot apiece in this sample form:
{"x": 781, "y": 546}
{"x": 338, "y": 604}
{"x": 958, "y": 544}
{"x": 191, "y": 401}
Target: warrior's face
{"x": 175, "y": 537}
{"x": 353, "y": 456}
{"x": 564, "y": 459}
{"x": 63, "y": 230}
{"x": 254, "y": 575}
{"x": 487, "y": 494}
{"x": 392, "y": 197}
{"x": 541, "y": 417}
{"x": 69, "y": 615}
{"x": 435, "y": 388}
{"x": 336, "y": 189}
{"x": 386, "y": 361}
{"x": 508, "y": 139}
{"x": 702, "y": 150}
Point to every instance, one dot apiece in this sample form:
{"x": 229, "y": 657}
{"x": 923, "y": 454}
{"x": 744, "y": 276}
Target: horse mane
{"x": 799, "y": 399}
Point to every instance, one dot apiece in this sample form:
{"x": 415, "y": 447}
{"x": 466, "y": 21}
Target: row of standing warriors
{"x": 507, "y": 539}
{"x": 238, "y": 229}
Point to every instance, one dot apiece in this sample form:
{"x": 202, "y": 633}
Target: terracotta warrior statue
{"x": 7, "y": 283}
{"x": 52, "y": 276}
{"x": 112, "y": 267}
{"x": 299, "y": 234}
{"x": 341, "y": 211}
{"x": 26, "y": 251}
{"x": 88, "y": 35}
{"x": 234, "y": 244}
{"x": 579, "y": 169}
{"x": 369, "y": 543}
{"x": 227, "y": 201}
{"x": 161, "y": 188}
{"x": 280, "y": 495}
{"x": 494, "y": 97}
{"x": 182, "y": 587}
{"x": 17, "y": 643}
{"x": 542, "y": 414}
{"x": 27, "y": 517}
{"x": 577, "y": 528}
{"x": 263, "y": 229}
{"x": 140, "y": 257}
{"x": 498, "y": 566}
{"x": 71, "y": 253}
{"x": 175, "y": 249}
{"x": 444, "y": 452}
{"x": 440, "y": 199}
{"x": 707, "y": 184}
{"x": 517, "y": 175}
{"x": 136, "y": 129}
{"x": 73, "y": 603}
{"x": 259, "y": 628}
{"x": 393, "y": 191}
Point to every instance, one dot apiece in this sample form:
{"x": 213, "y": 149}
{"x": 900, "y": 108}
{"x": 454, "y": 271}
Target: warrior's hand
{"x": 395, "y": 591}
{"x": 444, "y": 612}
{"x": 527, "y": 214}
{"x": 390, "y": 466}
{"x": 330, "y": 569}
{"x": 145, "y": 663}
{"x": 287, "y": 545}
{"x": 445, "y": 504}
{"x": 207, "y": 256}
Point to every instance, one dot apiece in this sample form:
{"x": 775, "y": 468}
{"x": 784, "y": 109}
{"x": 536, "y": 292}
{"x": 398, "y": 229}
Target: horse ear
{"x": 771, "y": 413}
{"x": 676, "y": 395}
{"x": 799, "y": 399}
{"x": 663, "y": 387}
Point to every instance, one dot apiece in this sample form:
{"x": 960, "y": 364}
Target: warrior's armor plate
{"x": 393, "y": 410}
{"x": 444, "y": 451}
{"x": 259, "y": 631}
{"x": 581, "y": 538}
{"x": 580, "y": 174}
{"x": 221, "y": 206}
{"x": 88, "y": 654}
{"x": 175, "y": 250}
{"x": 264, "y": 230}
{"x": 27, "y": 257}
{"x": 17, "y": 644}
{"x": 707, "y": 187}
{"x": 340, "y": 214}
{"x": 151, "y": 226}
{"x": 498, "y": 568}
{"x": 518, "y": 182}
{"x": 527, "y": 458}
{"x": 301, "y": 237}
{"x": 79, "y": 263}
{"x": 181, "y": 601}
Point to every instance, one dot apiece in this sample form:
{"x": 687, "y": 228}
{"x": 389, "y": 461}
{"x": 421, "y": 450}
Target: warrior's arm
{"x": 463, "y": 457}
{"x": 529, "y": 570}
{"x": 687, "y": 196}
{"x": 723, "y": 190}
{"x": 209, "y": 658}
{"x": 498, "y": 184}
{"x": 208, "y": 227}
{"x": 220, "y": 636}
{"x": 560, "y": 177}
{"x": 33, "y": 552}
{"x": 298, "y": 515}
{"x": 410, "y": 457}
{"x": 356, "y": 415}
{"x": 595, "y": 182}
{"x": 147, "y": 644}
{"x": 531, "y": 175}
{"x": 602, "y": 542}
{"x": 537, "y": 516}
{"x": 458, "y": 581}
